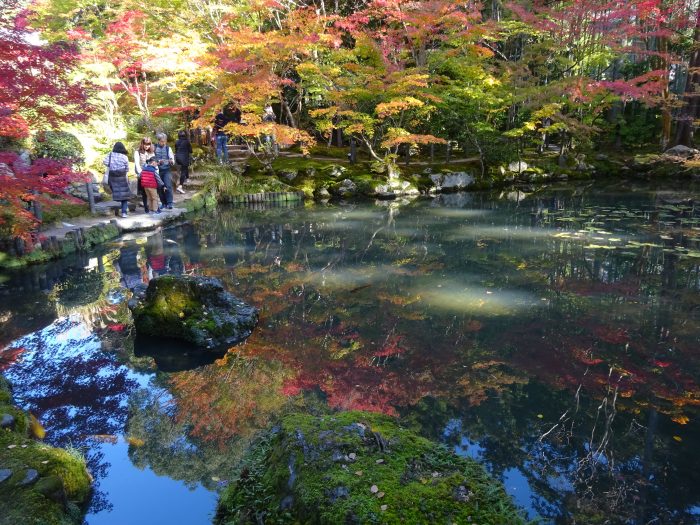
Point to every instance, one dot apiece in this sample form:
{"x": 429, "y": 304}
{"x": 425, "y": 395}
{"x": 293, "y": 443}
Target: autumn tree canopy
{"x": 399, "y": 72}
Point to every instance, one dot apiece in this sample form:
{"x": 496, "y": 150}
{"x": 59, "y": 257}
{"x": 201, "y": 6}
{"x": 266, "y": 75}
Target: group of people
{"x": 154, "y": 164}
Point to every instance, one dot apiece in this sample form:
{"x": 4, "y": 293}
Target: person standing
{"x": 166, "y": 160}
{"x": 269, "y": 117}
{"x": 116, "y": 171}
{"x": 269, "y": 114}
{"x": 151, "y": 183}
{"x": 183, "y": 158}
{"x": 221, "y": 137}
{"x": 141, "y": 155}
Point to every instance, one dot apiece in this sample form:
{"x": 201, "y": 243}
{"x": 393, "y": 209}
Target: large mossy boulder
{"x": 39, "y": 484}
{"x": 358, "y": 467}
{"x": 194, "y": 309}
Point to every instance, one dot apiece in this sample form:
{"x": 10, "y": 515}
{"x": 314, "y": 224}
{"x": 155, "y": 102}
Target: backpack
{"x": 167, "y": 154}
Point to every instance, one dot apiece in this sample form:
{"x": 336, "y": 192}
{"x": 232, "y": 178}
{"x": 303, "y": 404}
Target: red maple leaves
{"x": 36, "y": 89}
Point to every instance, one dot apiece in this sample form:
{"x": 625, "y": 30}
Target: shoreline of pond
{"x": 89, "y": 232}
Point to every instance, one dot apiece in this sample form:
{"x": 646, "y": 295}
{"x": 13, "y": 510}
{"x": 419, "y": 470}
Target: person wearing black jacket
{"x": 220, "y": 137}
{"x": 183, "y": 158}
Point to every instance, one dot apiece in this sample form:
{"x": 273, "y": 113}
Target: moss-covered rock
{"x": 358, "y": 467}
{"x": 194, "y": 309}
{"x": 41, "y": 485}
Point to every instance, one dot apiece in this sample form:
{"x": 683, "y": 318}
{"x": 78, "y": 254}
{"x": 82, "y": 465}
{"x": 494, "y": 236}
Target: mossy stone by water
{"x": 358, "y": 467}
{"x": 41, "y": 485}
{"x": 194, "y": 309}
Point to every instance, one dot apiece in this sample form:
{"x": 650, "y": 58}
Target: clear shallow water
{"x": 553, "y": 336}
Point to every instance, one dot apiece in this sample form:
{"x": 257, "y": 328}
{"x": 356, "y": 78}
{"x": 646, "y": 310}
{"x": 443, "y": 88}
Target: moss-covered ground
{"x": 359, "y": 467}
{"x": 60, "y": 483}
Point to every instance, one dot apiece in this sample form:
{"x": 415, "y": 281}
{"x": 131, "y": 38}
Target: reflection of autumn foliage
{"x": 370, "y": 343}
{"x": 601, "y": 356}
{"x": 376, "y": 376}
{"x": 629, "y": 287}
{"x": 236, "y": 396}
{"x": 9, "y": 356}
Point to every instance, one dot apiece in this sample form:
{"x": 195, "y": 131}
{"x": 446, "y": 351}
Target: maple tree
{"x": 605, "y": 57}
{"x": 41, "y": 182}
{"x": 36, "y": 88}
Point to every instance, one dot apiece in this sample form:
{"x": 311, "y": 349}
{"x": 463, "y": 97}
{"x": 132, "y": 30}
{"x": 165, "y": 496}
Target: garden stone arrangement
{"x": 193, "y": 309}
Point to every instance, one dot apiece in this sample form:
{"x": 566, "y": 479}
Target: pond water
{"x": 552, "y": 335}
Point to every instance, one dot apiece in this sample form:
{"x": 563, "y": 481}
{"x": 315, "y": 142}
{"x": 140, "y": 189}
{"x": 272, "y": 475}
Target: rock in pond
{"x": 291, "y": 475}
{"x": 7, "y": 421}
{"x": 195, "y": 309}
{"x": 448, "y": 181}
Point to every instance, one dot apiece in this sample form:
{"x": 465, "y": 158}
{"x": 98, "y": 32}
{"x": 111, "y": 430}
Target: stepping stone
{"x": 7, "y": 421}
{"x": 31, "y": 477}
{"x": 5, "y": 474}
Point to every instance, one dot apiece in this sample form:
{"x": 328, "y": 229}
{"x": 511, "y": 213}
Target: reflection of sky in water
{"x": 515, "y": 482}
{"x": 79, "y": 392}
{"x": 141, "y": 496}
{"x": 478, "y": 231}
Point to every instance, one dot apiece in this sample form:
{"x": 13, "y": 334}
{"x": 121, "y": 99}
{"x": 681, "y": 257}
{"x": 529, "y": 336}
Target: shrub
{"x": 59, "y": 145}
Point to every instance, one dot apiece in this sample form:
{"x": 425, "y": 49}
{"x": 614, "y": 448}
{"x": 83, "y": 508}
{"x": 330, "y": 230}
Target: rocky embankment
{"x": 39, "y": 484}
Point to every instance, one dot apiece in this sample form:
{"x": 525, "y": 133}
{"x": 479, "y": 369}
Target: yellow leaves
{"x": 681, "y": 420}
{"x": 135, "y": 441}
{"x": 324, "y": 112}
{"x": 396, "y": 106}
{"x": 35, "y": 428}
{"x": 677, "y": 438}
{"x": 396, "y": 136}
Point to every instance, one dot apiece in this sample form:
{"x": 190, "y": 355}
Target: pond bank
{"x": 298, "y": 178}
{"x": 39, "y": 484}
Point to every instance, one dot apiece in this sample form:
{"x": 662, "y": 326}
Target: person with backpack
{"x": 141, "y": 156}
{"x": 166, "y": 160}
{"x": 116, "y": 174}
{"x": 183, "y": 157}
{"x": 220, "y": 137}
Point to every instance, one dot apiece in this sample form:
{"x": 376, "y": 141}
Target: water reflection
{"x": 552, "y": 335}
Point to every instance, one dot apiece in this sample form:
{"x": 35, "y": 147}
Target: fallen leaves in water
{"x": 137, "y": 442}
{"x": 681, "y": 420}
{"x": 473, "y": 326}
{"x": 35, "y": 428}
{"x": 678, "y": 438}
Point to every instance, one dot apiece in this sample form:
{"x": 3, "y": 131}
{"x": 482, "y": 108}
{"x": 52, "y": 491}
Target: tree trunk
{"x": 691, "y": 110}
{"x": 287, "y": 111}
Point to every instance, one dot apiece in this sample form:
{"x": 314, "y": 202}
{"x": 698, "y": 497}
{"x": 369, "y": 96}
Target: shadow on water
{"x": 172, "y": 355}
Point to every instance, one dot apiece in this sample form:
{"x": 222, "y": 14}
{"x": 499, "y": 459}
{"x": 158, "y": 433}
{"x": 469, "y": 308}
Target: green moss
{"x": 35, "y": 257}
{"x": 63, "y": 485}
{"x": 322, "y": 469}
{"x": 99, "y": 234}
{"x": 193, "y": 309}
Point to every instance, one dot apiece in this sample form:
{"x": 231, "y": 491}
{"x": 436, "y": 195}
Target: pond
{"x": 553, "y": 335}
